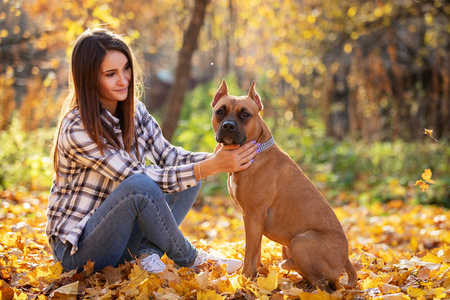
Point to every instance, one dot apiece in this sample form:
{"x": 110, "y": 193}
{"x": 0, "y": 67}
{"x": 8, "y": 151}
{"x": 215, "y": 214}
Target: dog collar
{"x": 266, "y": 145}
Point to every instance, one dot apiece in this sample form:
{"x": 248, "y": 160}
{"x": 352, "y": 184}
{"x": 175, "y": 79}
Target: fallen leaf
{"x": 209, "y": 295}
{"x": 270, "y": 282}
{"x": 203, "y": 279}
{"x": 6, "y": 292}
{"x": 68, "y": 291}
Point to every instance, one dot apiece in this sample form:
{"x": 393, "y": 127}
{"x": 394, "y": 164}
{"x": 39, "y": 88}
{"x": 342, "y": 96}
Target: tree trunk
{"x": 228, "y": 36}
{"x": 183, "y": 70}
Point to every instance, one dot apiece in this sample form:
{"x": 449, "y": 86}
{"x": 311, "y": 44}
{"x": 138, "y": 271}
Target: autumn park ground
{"x": 394, "y": 214}
{"x": 400, "y": 251}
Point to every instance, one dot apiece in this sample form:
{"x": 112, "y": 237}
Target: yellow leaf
{"x": 55, "y": 270}
{"x": 413, "y": 243}
{"x": 428, "y": 132}
{"x": 348, "y": 48}
{"x": 311, "y": 19}
{"x": 439, "y": 293}
{"x": 321, "y": 295}
{"x": 432, "y": 259}
{"x": 370, "y": 283}
{"x": 209, "y": 295}
{"x": 423, "y": 186}
{"x": 351, "y": 12}
{"x": 427, "y": 176}
{"x": 203, "y": 279}
{"x": 270, "y": 282}
{"x": 149, "y": 285}
{"x": 137, "y": 275}
{"x": 238, "y": 282}
{"x": 24, "y": 296}
{"x": 416, "y": 292}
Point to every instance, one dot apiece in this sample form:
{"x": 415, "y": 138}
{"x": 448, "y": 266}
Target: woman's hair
{"x": 88, "y": 53}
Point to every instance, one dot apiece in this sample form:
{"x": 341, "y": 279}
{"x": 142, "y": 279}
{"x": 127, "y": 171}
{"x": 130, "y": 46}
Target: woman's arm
{"x": 160, "y": 151}
{"x": 78, "y": 151}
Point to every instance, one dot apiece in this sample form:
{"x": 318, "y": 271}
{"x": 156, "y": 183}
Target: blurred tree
{"x": 183, "y": 69}
{"x": 373, "y": 69}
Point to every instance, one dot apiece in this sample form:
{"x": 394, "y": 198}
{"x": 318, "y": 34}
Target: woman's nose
{"x": 123, "y": 79}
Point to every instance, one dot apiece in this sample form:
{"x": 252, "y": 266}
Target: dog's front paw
{"x": 250, "y": 275}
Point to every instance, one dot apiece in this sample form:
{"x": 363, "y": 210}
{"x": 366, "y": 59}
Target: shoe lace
{"x": 152, "y": 260}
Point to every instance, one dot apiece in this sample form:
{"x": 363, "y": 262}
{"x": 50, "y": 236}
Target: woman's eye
{"x": 110, "y": 75}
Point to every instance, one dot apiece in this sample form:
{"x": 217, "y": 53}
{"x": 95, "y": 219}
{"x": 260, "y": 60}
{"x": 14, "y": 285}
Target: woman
{"x": 105, "y": 204}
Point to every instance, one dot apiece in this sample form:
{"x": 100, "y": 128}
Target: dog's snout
{"x": 229, "y": 125}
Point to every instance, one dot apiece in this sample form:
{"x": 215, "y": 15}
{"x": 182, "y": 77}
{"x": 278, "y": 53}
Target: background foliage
{"x": 348, "y": 86}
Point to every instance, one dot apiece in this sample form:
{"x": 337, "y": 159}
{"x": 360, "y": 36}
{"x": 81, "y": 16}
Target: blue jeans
{"x": 136, "y": 218}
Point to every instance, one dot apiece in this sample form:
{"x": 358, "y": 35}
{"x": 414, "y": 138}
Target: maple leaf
{"x": 427, "y": 176}
{"x": 151, "y": 284}
{"x": 270, "y": 282}
{"x": 113, "y": 275}
{"x": 423, "y": 186}
{"x": 55, "y": 270}
{"x": 88, "y": 268}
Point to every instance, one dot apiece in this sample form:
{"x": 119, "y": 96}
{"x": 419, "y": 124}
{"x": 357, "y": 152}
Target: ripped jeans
{"x": 136, "y": 218}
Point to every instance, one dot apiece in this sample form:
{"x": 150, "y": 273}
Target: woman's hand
{"x": 227, "y": 158}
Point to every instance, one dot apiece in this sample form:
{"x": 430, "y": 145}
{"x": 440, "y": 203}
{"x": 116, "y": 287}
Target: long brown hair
{"x": 88, "y": 53}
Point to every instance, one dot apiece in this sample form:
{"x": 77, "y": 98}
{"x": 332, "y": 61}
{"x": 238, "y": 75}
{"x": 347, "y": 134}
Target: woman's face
{"x": 114, "y": 79}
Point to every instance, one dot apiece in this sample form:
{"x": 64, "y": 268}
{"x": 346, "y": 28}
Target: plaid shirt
{"x": 86, "y": 177}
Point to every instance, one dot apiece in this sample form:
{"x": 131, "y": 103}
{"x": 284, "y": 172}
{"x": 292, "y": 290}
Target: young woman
{"x": 105, "y": 204}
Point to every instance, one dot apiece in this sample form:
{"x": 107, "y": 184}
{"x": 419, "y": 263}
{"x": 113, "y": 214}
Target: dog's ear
{"x": 222, "y": 91}
{"x": 254, "y": 95}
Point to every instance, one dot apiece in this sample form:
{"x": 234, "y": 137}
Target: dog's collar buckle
{"x": 266, "y": 145}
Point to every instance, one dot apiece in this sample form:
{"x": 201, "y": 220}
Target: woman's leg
{"x": 107, "y": 234}
{"x": 180, "y": 204}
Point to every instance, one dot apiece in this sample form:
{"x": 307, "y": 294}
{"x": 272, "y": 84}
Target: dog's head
{"x": 236, "y": 119}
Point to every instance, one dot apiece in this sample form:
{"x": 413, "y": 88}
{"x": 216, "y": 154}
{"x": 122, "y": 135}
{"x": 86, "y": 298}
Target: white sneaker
{"x": 153, "y": 263}
{"x": 233, "y": 265}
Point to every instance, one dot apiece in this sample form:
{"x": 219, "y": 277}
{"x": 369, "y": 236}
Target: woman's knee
{"x": 140, "y": 184}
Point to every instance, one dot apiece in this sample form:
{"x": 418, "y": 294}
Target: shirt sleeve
{"x": 117, "y": 164}
{"x": 158, "y": 149}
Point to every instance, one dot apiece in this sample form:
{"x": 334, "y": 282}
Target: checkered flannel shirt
{"x": 86, "y": 177}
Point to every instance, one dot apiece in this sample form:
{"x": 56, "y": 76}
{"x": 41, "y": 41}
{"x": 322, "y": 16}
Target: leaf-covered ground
{"x": 400, "y": 252}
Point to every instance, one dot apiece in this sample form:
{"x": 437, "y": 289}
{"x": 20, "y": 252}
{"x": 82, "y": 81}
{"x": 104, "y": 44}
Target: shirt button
{"x": 188, "y": 185}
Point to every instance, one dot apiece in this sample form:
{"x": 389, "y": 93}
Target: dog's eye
{"x": 219, "y": 112}
{"x": 245, "y": 114}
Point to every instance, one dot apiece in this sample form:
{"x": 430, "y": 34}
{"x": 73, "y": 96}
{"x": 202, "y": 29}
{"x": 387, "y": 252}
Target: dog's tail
{"x": 351, "y": 273}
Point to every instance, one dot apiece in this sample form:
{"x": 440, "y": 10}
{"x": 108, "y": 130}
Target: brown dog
{"x": 278, "y": 200}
